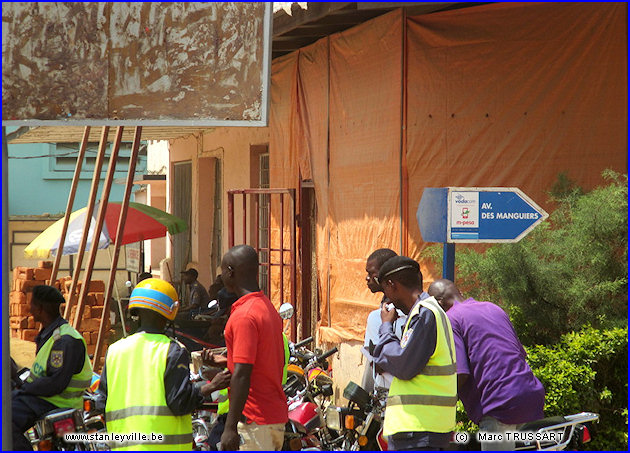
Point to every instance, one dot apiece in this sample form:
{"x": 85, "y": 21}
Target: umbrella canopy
{"x": 143, "y": 222}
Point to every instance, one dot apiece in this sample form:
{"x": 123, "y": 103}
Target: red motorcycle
{"x": 308, "y": 391}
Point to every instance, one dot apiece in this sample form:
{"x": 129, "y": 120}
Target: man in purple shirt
{"x": 494, "y": 381}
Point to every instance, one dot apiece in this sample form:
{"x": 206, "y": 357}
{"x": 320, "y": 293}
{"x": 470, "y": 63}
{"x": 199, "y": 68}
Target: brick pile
{"x": 24, "y": 326}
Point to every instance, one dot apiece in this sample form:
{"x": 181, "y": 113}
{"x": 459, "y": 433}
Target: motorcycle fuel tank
{"x": 307, "y": 414}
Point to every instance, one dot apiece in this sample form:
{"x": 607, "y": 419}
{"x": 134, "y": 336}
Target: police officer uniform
{"x": 59, "y": 375}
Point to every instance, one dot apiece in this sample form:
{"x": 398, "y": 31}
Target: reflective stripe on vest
{"x": 72, "y": 395}
{"x": 137, "y": 410}
{"x": 136, "y": 397}
{"x": 427, "y": 401}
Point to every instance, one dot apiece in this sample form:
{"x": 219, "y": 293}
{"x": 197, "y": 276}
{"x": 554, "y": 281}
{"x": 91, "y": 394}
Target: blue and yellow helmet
{"x": 157, "y": 295}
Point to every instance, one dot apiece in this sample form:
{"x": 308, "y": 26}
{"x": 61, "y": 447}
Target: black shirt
{"x": 58, "y": 375}
{"x": 182, "y": 396}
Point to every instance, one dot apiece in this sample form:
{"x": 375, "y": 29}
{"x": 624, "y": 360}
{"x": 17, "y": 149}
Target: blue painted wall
{"x": 39, "y": 185}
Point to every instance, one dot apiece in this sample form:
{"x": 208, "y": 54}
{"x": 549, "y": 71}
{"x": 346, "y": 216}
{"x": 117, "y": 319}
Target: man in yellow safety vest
{"x": 420, "y": 412}
{"x": 146, "y": 378}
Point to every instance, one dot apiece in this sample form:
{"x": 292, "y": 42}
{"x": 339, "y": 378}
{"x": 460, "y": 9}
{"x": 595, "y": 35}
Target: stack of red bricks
{"x": 24, "y": 280}
{"x": 23, "y": 325}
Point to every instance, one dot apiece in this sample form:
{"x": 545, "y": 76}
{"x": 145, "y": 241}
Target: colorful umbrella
{"x": 143, "y": 222}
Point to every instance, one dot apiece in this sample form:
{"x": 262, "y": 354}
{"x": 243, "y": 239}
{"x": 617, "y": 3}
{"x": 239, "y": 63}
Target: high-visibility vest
{"x": 72, "y": 395}
{"x": 287, "y": 356}
{"x": 426, "y": 402}
{"x": 136, "y": 397}
{"x": 224, "y": 403}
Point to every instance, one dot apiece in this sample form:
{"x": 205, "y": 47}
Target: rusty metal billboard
{"x": 192, "y": 64}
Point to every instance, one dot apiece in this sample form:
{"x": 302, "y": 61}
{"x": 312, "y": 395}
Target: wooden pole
{"x": 119, "y": 234}
{"x": 88, "y": 219}
{"x": 73, "y": 191}
{"x": 100, "y": 218}
{"x": 404, "y": 171}
{"x": 230, "y": 220}
{"x": 293, "y": 260}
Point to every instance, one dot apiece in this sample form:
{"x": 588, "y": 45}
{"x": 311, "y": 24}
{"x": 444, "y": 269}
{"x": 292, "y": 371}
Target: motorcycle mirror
{"x": 286, "y": 310}
{"x": 128, "y": 284}
{"x": 213, "y": 305}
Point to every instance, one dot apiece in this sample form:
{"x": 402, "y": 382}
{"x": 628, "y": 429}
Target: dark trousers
{"x": 27, "y": 409}
{"x": 216, "y": 432}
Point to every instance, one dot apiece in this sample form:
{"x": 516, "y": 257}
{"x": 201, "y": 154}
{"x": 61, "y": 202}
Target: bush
{"x": 587, "y": 371}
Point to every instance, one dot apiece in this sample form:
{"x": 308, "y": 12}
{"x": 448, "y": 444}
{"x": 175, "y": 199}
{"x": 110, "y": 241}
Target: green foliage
{"x": 569, "y": 272}
{"x": 587, "y": 371}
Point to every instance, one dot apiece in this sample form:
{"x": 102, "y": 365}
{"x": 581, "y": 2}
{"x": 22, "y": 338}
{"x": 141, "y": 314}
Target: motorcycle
{"x": 358, "y": 426}
{"x": 48, "y": 432}
{"x": 557, "y": 433}
{"x": 307, "y": 397}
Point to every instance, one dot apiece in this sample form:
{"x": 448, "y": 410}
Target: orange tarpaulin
{"x": 512, "y": 94}
{"x": 496, "y": 95}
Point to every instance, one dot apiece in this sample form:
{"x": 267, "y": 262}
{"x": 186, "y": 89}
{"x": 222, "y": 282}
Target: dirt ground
{"x": 23, "y": 352}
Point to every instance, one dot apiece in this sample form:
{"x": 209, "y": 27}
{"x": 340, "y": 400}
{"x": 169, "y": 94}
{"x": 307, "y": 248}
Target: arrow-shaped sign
{"x": 477, "y": 214}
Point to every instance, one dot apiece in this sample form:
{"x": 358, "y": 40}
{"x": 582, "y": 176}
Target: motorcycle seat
{"x": 542, "y": 423}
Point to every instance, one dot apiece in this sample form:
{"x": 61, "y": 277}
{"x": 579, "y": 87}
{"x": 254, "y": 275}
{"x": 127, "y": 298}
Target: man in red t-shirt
{"x": 255, "y": 357}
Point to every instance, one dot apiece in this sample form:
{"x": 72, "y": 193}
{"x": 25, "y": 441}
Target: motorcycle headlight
{"x": 333, "y": 418}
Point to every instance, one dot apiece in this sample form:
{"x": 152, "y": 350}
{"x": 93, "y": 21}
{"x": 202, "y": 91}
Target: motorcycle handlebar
{"x": 326, "y": 354}
{"x": 304, "y": 342}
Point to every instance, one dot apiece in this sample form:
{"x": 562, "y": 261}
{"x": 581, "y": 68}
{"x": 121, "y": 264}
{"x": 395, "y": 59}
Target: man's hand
{"x": 230, "y": 439}
{"x": 219, "y": 381}
{"x": 388, "y": 316}
{"x": 211, "y": 359}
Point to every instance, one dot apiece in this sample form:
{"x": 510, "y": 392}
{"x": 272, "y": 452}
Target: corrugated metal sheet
{"x": 133, "y": 61}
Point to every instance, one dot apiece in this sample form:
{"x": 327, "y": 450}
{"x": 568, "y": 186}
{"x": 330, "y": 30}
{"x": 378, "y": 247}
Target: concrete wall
{"x": 232, "y": 147}
{"x": 348, "y": 365}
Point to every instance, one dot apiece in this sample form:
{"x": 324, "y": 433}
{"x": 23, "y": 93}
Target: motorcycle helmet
{"x": 157, "y": 295}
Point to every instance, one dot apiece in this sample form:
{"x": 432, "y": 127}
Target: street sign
{"x": 477, "y": 214}
{"x": 491, "y": 214}
{"x": 132, "y": 257}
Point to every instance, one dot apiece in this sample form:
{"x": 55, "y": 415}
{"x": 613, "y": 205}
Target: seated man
{"x": 61, "y": 370}
{"x": 197, "y": 294}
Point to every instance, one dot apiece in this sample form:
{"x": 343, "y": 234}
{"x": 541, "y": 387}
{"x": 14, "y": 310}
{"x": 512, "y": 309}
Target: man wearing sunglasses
{"x": 371, "y": 376}
{"x": 420, "y": 412}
